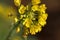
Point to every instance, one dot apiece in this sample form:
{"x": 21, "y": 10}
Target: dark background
{"x": 52, "y": 30}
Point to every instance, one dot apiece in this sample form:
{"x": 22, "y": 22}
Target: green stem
{"x": 15, "y": 25}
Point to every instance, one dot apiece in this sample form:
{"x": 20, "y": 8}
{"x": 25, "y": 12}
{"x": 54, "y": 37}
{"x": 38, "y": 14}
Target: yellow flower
{"x": 35, "y": 7}
{"x": 32, "y": 31}
{"x": 16, "y": 19}
{"x": 21, "y": 16}
{"x": 27, "y": 7}
{"x": 37, "y": 28}
{"x": 22, "y": 9}
{"x": 44, "y": 16}
{"x": 27, "y": 22}
{"x": 42, "y": 21}
{"x": 34, "y": 2}
{"x": 17, "y": 2}
{"x": 42, "y": 8}
{"x": 18, "y": 29}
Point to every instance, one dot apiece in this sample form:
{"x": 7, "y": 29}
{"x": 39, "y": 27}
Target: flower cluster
{"x": 33, "y": 16}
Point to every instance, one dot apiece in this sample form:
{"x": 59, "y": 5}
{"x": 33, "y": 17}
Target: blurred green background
{"x": 6, "y": 22}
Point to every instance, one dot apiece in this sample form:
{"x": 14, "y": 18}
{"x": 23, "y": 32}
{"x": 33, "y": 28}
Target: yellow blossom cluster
{"x": 18, "y": 29}
{"x": 40, "y": 8}
{"x": 33, "y": 15}
{"x": 26, "y": 23}
{"x": 35, "y": 2}
{"x": 17, "y": 2}
{"x": 42, "y": 19}
{"x": 35, "y": 29}
{"x": 22, "y": 9}
{"x": 15, "y": 19}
